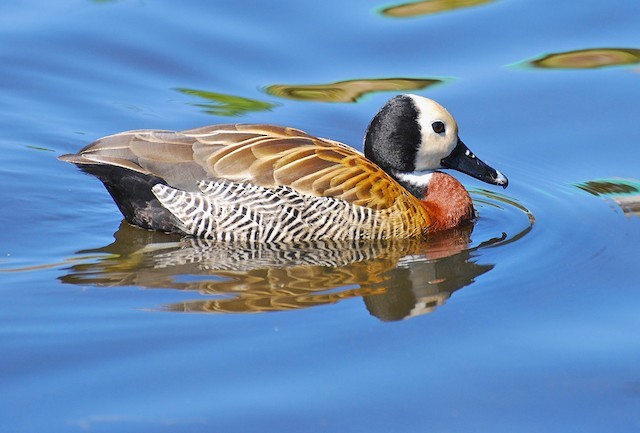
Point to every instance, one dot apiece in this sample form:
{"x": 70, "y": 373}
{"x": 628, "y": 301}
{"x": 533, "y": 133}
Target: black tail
{"x": 131, "y": 191}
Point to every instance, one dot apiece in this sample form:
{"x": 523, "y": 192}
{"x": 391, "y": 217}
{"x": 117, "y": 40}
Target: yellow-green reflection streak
{"x": 585, "y": 59}
{"x": 428, "y": 7}
{"x": 350, "y": 90}
{"x": 624, "y": 192}
{"x": 221, "y": 104}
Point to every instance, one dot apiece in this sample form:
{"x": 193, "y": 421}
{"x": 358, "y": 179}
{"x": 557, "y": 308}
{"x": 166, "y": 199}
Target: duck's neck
{"x": 447, "y": 201}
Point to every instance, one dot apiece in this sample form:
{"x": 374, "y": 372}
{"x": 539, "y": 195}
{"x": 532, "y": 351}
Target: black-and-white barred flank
{"x": 232, "y": 212}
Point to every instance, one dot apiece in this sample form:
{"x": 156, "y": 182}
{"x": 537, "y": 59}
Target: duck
{"x": 269, "y": 183}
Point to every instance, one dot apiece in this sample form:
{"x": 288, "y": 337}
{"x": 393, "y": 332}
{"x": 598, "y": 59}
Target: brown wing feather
{"x": 266, "y": 155}
{"x": 166, "y": 154}
{"x": 269, "y": 155}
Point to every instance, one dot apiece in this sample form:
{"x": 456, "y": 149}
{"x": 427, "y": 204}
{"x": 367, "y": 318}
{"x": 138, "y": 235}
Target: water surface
{"x": 526, "y": 320}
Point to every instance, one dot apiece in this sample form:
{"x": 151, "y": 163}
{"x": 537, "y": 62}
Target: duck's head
{"x": 412, "y": 136}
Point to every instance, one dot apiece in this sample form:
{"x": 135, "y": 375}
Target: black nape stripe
{"x": 393, "y": 136}
{"x": 416, "y": 190}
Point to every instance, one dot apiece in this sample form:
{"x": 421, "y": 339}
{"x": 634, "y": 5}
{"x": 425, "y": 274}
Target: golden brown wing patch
{"x": 269, "y": 156}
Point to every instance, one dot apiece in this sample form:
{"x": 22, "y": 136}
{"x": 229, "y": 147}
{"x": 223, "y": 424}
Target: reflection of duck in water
{"x": 269, "y": 183}
{"x": 397, "y": 279}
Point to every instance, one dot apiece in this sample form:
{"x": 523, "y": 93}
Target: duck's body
{"x": 270, "y": 183}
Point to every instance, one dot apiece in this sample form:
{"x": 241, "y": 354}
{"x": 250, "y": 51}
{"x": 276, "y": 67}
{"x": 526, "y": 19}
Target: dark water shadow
{"x": 427, "y": 7}
{"x": 395, "y": 279}
{"x": 350, "y": 90}
{"x": 591, "y": 58}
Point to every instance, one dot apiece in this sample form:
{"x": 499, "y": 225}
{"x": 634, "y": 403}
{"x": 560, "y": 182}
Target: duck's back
{"x": 250, "y": 182}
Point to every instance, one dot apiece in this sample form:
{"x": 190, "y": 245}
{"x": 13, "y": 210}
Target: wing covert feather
{"x": 270, "y": 156}
{"x": 266, "y": 155}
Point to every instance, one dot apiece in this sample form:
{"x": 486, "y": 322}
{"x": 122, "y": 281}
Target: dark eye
{"x": 438, "y": 127}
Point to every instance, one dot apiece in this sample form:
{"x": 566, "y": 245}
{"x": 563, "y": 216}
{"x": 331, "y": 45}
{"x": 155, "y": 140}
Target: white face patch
{"x": 434, "y": 146}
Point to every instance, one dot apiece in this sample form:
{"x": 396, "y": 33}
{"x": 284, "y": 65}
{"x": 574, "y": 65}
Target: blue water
{"x": 528, "y": 323}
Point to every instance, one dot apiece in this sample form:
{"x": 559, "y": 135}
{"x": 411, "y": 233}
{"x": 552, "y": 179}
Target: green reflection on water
{"x": 39, "y": 148}
{"x": 624, "y": 192}
{"x": 350, "y": 90}
{"x": 591, "y": 58}
{"x": 221, "y": 104}
{"x": 428, "y": 7}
